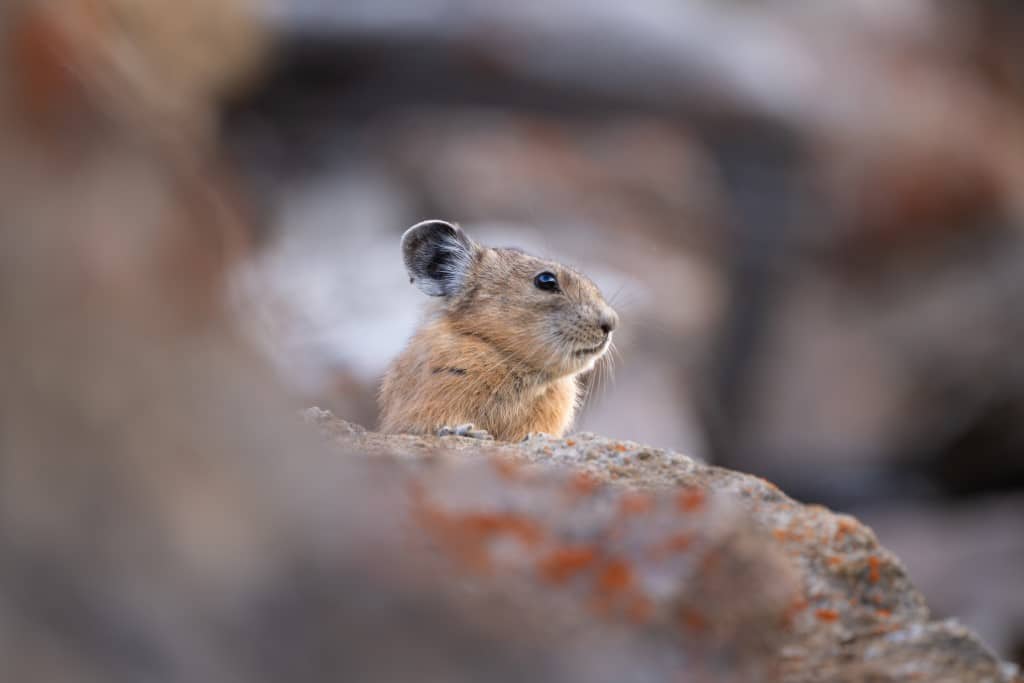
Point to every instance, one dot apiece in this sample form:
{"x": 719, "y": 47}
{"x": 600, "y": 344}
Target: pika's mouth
{"x": 592, "y": 351}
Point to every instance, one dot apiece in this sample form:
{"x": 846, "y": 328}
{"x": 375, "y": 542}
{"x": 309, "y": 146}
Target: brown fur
{"x": 499, "y": 353}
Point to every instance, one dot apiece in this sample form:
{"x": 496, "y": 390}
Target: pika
{"x": 503, "y": 347}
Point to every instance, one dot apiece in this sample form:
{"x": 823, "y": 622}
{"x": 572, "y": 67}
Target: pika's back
{"x": 505, "y": 342}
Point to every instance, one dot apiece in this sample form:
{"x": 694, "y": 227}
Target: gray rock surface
{"x": 793, "y": 592}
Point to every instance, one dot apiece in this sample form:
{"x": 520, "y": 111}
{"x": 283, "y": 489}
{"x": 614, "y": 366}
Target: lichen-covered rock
{"x": 722, "y": 566}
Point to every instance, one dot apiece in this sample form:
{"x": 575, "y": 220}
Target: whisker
{"x": 614, "y": 297}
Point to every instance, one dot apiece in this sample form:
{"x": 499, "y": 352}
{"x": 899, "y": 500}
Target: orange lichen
{"x": 689, "y": 500}
{"x": 491, "y": 524}
{"x": 844, "y": 527}
{"x": 833, "y": 560}
{"x": 583, "y": 484}
{"x": 780, "y": 534}
{"x": 883, "y": 613}
{"x": 635, "y": 503}
{"x": 874, "y": 569}
{"x": 616, "y": 577}
{"x": 507, "y": 468}
{"x": 39, "y": 50}
{"x": 564, "y": 563}
{"x": 570, "y": 442}
{"x": 693, "y": 621}
{"x": 467, "y": 536}
{"x": 674, "y": 544}
{"x": 621, "y": 447}
{"x": 798, "y": 605}
{"x": 471, "y": 553}
{"x": 829, "y": 615}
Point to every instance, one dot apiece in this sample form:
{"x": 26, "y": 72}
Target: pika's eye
{"x": 546, "y": 281}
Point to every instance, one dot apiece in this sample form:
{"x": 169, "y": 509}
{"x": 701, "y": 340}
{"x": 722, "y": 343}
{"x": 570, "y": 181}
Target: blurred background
{"x": 810, "y": 217}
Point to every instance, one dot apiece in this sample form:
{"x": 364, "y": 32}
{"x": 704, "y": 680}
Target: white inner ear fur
{"x": 438, "y": 256}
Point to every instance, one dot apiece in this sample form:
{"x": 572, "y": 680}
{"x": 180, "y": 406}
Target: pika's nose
{"x": 609, "y": 321}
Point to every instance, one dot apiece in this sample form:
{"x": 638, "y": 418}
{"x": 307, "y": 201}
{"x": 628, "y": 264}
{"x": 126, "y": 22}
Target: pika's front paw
{"x": 467, "y": 430}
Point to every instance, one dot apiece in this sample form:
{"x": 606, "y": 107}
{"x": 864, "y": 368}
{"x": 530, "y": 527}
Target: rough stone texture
{"x": 980, "y": 539}
{"x": 735, "y": 541}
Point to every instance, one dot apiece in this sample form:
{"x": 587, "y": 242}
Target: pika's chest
{"x": 524, "y": 389}
{"x": 550, "y": 400}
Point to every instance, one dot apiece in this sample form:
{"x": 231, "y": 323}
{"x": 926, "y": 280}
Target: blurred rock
{"x": 855, "y": 614}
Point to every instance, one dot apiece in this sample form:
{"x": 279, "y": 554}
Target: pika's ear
{"x": 438, "y": 256}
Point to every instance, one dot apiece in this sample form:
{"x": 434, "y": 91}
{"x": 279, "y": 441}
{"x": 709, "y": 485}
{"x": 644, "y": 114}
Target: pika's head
{"x": 544, "y": 316}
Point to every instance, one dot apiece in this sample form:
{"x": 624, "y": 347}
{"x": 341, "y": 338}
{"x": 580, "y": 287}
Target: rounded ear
{"x": 438, "y": 256}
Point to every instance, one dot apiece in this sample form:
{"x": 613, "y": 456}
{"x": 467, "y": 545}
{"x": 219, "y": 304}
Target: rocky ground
{"x": 720, "y": 564}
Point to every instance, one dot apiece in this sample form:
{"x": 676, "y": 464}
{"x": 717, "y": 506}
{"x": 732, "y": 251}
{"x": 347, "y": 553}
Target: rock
{"x": 981, "y": 540}
{"x": 708, "y": 560}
